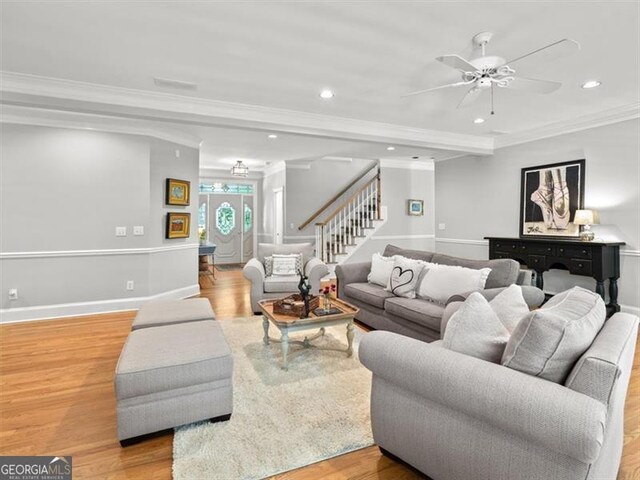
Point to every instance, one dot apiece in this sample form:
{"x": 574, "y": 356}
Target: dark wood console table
{"x": 599, "y": 260}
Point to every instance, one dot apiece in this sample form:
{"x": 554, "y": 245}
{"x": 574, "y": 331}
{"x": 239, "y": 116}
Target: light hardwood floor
{"x": 57, "y": 398}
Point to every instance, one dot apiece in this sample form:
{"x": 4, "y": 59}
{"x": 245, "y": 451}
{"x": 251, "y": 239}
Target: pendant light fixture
{"x": 240, "y": 169}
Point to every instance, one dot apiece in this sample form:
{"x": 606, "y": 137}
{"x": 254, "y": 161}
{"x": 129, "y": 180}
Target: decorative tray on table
{"x": 293, "y": 305}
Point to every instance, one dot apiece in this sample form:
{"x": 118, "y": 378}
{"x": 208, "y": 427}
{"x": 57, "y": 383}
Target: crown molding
{"x": 593, "y": 120}
{"x": 407, "y": 164}
{"x": 274, "y": 168}
{"x": 82, "y": 121}
{"x": 19, "y": 88}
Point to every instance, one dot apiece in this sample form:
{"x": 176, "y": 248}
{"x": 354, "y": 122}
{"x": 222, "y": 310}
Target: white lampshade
{"x": 583, "y": 217}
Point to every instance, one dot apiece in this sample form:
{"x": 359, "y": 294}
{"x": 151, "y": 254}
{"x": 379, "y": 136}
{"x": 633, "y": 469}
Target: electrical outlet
{"x": 441, "y": 226}
{"x": 138, "y": 230}
{"x": 177, "y": 153}
{"x": 292, "y": 226}
{"x": 129, "y": 284}
{"x": 121, "y": 231}
{"x": 13, "y": 294}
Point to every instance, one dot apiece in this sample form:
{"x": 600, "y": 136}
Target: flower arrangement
{"x": 326, "y": 295}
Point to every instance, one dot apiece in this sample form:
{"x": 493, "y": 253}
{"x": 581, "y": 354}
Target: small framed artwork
{"x": 178, "y": 225}
{"x": 549, "y": 197}
{"x": 415, "y": 207}
{"x": 177, "y": 192}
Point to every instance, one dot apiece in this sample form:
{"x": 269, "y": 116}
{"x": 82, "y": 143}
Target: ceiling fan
{"x": 486, "y": 71}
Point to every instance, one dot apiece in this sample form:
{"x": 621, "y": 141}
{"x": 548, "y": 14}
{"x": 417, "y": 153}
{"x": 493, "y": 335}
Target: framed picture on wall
{"x": 415, "y": 207}
{"x": 178, "y": 225}
{"x": 549, "y": 197}
{"x": 177, "y": 192}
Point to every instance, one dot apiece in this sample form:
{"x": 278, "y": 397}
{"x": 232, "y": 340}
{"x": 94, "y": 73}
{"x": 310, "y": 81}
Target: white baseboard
{"x": 630, "y": 309}
{"x": 42, "y": 312}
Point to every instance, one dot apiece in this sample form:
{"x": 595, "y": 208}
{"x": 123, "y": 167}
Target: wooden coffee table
{"x": 287, "y": 324}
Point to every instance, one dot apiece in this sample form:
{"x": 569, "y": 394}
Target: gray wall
{"x": 63, "y": 192}
{"x": 269, "y": 183}
{"x": 309, "y": 189}
{"x": 479, "y": 196}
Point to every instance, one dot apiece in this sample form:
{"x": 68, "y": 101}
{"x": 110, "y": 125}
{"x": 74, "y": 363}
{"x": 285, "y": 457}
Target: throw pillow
{"x": 441, "y": 282}
{"x": 549, "y": 341}
{"x": 380, "y": 270}
{"x": 404, "y": 277}
{"x": 268, "y": 266}
{"x": 287, "y": 264}
{"x": 510, "y": 306}
{"x": 475, "y": 330}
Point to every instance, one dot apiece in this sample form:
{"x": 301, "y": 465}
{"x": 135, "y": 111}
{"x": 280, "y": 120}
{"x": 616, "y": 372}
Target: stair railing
{"x": 348, "y": 221}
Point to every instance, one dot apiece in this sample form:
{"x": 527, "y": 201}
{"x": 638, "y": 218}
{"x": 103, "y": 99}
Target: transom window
{"x": 225, "y": 218}
{"x": 219, "y": 187}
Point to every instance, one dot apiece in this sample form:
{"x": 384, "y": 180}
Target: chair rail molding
{"x": 47, "y": 92}
{"x": 97, "y": 252}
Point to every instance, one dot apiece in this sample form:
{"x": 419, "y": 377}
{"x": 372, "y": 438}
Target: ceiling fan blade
{"x": 534, "y": 85}
{"x": 470, "y": 97}
{"x": 450, "y": 85}
{"x": 457, "y": 62}
{"x": 563, "y": 47}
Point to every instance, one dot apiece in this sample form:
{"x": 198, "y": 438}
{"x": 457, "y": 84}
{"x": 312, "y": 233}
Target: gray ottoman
{"x": 170, "y": 376}
{"x": 168, "y": 312}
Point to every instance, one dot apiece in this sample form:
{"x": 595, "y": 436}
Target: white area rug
{"x": 317, "y": 409}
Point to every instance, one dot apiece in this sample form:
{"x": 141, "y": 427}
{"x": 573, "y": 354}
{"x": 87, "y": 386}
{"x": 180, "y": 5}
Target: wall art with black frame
{"x": 550, "y": 196}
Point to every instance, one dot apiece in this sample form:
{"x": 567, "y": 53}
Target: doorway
{"x": 229, "y": 221}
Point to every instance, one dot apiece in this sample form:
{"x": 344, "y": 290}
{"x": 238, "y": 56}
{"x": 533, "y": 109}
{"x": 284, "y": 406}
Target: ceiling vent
{"x": 175, "y": 84}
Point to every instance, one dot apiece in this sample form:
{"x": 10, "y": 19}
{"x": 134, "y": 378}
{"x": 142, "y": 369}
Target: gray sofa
{"x": 263, "y": 287}
{"x": 418, "y": 318}
{"x": 456, "y": 417}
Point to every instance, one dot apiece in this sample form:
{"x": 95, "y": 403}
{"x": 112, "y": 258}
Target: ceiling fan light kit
{"x": 488, "y": 71}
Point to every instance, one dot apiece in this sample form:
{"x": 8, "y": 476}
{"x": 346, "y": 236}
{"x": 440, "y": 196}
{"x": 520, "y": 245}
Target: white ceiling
{"x": 281, "y": 54}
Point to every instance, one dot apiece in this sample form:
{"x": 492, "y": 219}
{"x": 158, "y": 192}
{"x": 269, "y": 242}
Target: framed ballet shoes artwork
{"x": 550, "y": 196}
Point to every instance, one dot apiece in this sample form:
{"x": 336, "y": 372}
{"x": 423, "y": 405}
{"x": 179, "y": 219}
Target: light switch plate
{"x": 138, "y": 230}
{"x": 121, "y": 231}
{"x": 441, "y": 226}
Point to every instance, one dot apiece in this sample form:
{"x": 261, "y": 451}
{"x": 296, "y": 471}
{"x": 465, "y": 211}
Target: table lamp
{"x": 586, "y": 218}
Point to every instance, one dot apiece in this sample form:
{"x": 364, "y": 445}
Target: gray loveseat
{"x": 456, "y": 417}
{"x": 418, "y": 318}
{"x": 263, "y": 287}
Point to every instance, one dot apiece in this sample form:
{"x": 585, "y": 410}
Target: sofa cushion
{"x": 368, "y": 293}
{"x": 549, "y": 341}
{"x": 441, "y": 282}
{"x": 404, "y": 277}
{"x": 167, "y": 312}
{"x": 171, "y": 357}
{"x": 418, "y": 311}
{"x": 268, "y": 249}
{"x": 380, "y": 270}
{"x": 392, "y": 250}
{"x": 475, "y": 330}
{"x": 504, "y": 271}
{"x": 281, "y": 283}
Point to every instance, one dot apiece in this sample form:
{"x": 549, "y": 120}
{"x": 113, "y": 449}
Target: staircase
{"x": 352, "y": 222}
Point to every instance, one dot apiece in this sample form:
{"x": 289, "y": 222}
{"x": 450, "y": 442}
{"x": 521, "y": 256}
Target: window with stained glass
{"x": 219, "y": 187}
{"x": 248, "y": 218}
{"x": 225, "y": 218}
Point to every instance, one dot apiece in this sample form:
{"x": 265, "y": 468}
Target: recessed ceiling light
{"x": 391, "y": 148}
{"x": 479, "y": 120}
{"x": 273, "y": 135}
{"x": 591, "y": 84}
{"x": 326, "y": 94}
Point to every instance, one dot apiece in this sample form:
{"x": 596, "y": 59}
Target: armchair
{"x": 455, "y": 417}
{"x": 263, "y": 287}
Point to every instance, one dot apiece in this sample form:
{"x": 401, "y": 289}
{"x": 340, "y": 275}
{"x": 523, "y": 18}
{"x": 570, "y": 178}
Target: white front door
{"x": 278, "y": 215}
{"x": 225, "y": 227}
